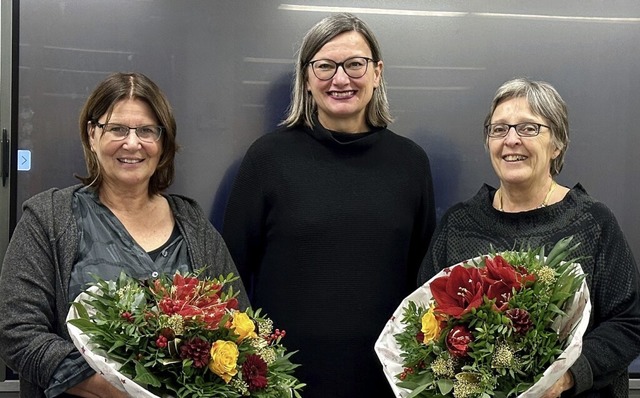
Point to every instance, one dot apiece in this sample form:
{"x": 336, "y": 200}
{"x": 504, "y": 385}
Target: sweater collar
{"x": 346, "y": 140}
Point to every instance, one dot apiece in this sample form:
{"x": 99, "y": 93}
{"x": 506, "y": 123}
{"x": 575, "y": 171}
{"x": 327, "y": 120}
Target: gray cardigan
{"x": 35, "y": 276}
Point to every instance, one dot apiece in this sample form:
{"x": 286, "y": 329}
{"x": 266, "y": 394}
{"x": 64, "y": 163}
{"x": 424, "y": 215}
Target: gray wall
{"x": 226, "y": 66}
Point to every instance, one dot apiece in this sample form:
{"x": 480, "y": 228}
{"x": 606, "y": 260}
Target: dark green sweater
{"x": 612, "y": 339}
{"x": 328, "y": 230}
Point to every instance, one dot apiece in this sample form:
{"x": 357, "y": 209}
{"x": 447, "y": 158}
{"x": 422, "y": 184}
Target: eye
{"x": 116, "y": 129}
{"x": 355, "y": 63}
{"x": 499, "y": 128}
{"x": 528, "y": 128}
{"x": 147, "y": 130}
{"x": 324, "y": 65}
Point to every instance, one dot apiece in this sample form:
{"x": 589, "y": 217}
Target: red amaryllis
{"x": 254, "y": 372}
{"x": 458, "y": 340}
{"x": 500, "y": 278}
{"x": 459, "y": 292}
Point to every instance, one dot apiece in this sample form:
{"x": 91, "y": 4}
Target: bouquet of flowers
{"x": 502, "y": 325}
{"x": 180, "y": 337}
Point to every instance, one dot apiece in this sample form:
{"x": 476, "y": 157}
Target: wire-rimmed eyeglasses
{"x": 118, "y": 132}
{"x": 500, "y": 130}
{"x": 354, "y": 67}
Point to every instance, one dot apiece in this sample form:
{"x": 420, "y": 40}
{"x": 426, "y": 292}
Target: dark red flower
{"x": 458, "y": 340}
{"x": 459, "y": 292}
{"x": 198, "y": 350}
{"x": 254, "y": 372}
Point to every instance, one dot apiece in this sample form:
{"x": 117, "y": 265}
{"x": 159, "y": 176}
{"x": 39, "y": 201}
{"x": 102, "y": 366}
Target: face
{"x": 128, "y": 163}
{"x": 521, "y": 161}
{"x": 342, "y": 100}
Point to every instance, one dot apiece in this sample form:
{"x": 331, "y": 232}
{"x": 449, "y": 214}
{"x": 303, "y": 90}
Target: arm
{"x": 243, "y": 228}
{"x": 97, "y": 386}
{"x": 436, "y": 257}
{"x": 424, "y": 226}
{"x": 32, "y": 344}
{"x": 612, "y": 344}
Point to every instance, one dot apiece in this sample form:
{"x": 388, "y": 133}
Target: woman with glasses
{"x": 527, "y": 133}
{"x": 331, "y": 215}
{"x": 118, "y": 220}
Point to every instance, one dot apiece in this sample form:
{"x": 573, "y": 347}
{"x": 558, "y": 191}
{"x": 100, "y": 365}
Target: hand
{"x": 563, "y": 384}
{"x": 97, "y": 386}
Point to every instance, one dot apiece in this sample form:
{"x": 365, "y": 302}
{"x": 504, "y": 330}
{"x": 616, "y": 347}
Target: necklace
{"x": 544, "y": 203}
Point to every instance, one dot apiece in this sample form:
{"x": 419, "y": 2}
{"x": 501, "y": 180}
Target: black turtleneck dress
{"x": 328, "y": 231}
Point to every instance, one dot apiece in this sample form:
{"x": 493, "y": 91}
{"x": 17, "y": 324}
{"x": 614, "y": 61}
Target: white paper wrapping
{"x": 97, "y": 359}
{"x": 574, "y": 324}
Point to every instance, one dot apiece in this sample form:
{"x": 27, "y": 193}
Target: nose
{"x": 512, "y": 138}
{"x": 132, "y": 138}
{"x": 341, "y": 75}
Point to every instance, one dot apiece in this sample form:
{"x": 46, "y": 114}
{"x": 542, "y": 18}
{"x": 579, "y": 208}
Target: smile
{"x": 129, "y": 161}
{"x": 342, "y": 94}
{"x": 514, "y": 158}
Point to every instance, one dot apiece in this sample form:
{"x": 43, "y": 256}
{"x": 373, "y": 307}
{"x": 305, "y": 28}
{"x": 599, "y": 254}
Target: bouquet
{"x": 501, "y": 325}
{"x": 180, "y": 337}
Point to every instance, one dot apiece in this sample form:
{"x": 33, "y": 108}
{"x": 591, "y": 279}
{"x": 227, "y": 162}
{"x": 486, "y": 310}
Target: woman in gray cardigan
{"x": 117, "y": 220}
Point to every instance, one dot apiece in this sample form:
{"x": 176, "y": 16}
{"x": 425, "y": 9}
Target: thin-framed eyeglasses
{"x": 354, "y": 67}
{"x": 118, "y": 132}
{"x": 500, "y": 130}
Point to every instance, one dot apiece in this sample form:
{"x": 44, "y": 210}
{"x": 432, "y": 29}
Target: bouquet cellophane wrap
{"x": 574, "y": 324}
{"x": 97, "y": 358}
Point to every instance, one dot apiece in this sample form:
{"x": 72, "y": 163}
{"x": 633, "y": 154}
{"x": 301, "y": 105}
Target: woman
{"x": 117, "y": 220}
{"x": 526, "y": 133}
{"x": 330, "y": 216}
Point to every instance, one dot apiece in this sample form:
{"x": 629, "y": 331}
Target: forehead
{"x": 350, "y": 43}
{"x": 132, "y": 107}
{"x": 515, "y": 107}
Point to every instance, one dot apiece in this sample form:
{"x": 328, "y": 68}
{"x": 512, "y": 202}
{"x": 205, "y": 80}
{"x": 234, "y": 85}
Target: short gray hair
{"x": 544, "y": 101}
{"x": 302, "y": 106}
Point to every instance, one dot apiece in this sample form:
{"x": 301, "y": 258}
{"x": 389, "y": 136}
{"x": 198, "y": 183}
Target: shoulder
{"x": 402, "y": 142}
{"x": 184, "y": 206}
{"x": 588, "y": 205}
{"x": 53, "y": 198}
{"x": 276, "y": 139}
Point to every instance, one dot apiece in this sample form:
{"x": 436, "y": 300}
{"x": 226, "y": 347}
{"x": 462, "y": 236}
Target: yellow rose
{"x": 224, "y": 358}
{"x": 243, "y": 326}
{"x": 430, "y": 326}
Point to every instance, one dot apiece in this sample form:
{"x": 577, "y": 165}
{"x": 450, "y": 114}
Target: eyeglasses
{"x": 118, "y": 132}
{"x": 354, "y": 67}
{"x": 500, "y": 130}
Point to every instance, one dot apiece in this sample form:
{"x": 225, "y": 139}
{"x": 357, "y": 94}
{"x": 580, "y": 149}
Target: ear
{"x": 91, "y": 132}
{"x": 377, "y": 74}
{"x": 555, "y": 154}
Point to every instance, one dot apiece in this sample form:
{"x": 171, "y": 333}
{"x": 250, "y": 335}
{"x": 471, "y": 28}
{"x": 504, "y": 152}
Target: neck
{"x": 527, "y": 206}
{"x": 347, "y": 125}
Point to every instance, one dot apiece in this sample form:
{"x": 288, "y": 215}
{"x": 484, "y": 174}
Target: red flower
{"x": 458, "y": 340}
{"x": 459, "y": 292}
{"x": 198, "y": 350}
{"x": 500, "y": 278}
{"x": 192, "y": 298}
{"x": 254, "y": 372}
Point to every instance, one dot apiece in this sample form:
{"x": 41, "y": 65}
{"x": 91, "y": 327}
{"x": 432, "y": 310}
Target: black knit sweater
{"x": 328, "y": 231}
{"x": 612, "y": 339}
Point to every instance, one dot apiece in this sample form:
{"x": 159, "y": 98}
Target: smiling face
{"x": 127, "y": 164}
{"x": 521, "y": 162}
{"x": 342, "y": 100}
